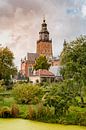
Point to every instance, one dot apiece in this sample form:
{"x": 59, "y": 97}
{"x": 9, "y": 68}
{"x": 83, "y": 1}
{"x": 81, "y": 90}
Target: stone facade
{"x": 44, "y": 48}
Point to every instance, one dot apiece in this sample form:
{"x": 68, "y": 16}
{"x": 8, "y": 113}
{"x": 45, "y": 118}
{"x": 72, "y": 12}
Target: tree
{"x": 73, "y": 60}
{"x": 41, "y": 63}
{"x": 60, "y": 97}
{"x": 7, "y": 68}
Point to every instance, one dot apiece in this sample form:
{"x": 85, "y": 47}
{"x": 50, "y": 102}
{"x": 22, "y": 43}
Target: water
{"x": 21, "y": 124}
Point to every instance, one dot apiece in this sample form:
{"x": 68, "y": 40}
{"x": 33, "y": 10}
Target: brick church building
{"x": 43, "y": 47}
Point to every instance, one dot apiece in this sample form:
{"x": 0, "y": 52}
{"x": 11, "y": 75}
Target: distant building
{"x": 55, "y": 70}
{"x": 28, "y": 63}
{"x": 41, "y": 75}
{"x": 43, "y": 47}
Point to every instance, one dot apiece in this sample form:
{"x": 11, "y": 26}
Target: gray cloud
{"x": 22, "y": 19}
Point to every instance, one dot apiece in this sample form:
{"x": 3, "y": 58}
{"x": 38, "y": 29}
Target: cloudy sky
{"x": 20, "y": 23}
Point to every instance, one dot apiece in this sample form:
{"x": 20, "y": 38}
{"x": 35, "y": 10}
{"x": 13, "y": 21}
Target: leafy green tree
{"x": 73, "y": 60}
{"x": 7, "y": 68}
{"x": 60, "y": 97}
{"x": 42, "y": 63}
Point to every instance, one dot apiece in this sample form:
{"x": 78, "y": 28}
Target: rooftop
{"x": 43, "y": 73}
{"x": 31, "y": 57}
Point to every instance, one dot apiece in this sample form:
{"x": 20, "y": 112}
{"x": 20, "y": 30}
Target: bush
{"x": 82, "y": 120}
{"x": 14, "y": 111}
{"x": 0, "y": 113}
{"x": 27, "y": 93}
{"x": 40, "y": 113}
{"x": 31, "y": 113}
{"x": 2, "y": 87}
{"x": 74, "y": 117}
{"x": 71, "y": 118}
{"x": 6, "y": 113}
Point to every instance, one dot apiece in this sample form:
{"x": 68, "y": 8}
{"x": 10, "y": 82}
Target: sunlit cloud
{"x": 84, "y": 10}
{"x": 5, "y": 37}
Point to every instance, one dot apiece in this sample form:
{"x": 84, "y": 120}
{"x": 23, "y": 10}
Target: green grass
{"x": 7, "y": 101}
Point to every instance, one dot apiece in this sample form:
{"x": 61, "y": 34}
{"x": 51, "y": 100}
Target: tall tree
{"x": 7, "y": 68}
{"x": 41, "y": 63}
{"x": 73, "y": 60}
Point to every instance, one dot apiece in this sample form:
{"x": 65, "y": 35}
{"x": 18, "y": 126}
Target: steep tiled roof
{"x": 31, "y": 57}
{"x": 43, "y": 72}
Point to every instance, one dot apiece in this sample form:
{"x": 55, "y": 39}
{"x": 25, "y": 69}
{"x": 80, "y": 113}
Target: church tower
{"x": 44, "y": 44}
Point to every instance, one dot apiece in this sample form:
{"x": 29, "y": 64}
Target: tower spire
{"x": 44, "y": 18}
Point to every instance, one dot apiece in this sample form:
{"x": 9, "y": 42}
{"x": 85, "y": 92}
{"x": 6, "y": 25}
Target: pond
{"x": 21, "y": 124}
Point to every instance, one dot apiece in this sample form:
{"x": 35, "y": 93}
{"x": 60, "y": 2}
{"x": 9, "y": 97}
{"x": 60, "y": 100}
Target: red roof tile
{"x": 43, "y": 72}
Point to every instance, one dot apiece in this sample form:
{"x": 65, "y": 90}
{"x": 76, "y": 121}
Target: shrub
{"x": 82, "y": 120}
{"x": 40, "y": 113}
{"x": 74, "y": 117}
{"x": 0, "y": 113}
{"x": 27, "y": 93}
{"x": 2, "y": 87}
{"x": 71, "y": 118}
{"x": 5, "y": 113}
{"x": 31, "y": 113}
{"x": 44, "y": 113}
{"x": 14, "y": 110}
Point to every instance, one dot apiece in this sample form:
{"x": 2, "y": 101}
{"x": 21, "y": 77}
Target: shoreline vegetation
{"x": 32, "y": 102}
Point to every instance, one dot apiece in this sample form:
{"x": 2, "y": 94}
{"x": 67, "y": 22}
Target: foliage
{"x": 73, "y": 60}
{"x": 60, "y": 96}
{"x": 31, "y": 113}
{"x": 74, "y": 117}
{"x": 2, "y": 86}
{"x": 40, "y": 113}
{"x": 6, "y": 64}
{"x": 27, "y": 93}
{"x": 14, "y": 110}
{"x": 5, "y": 113}
{"x": 41, "y": 63}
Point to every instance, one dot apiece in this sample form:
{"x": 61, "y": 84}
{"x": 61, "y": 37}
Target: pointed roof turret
{"x": 44, "y": 34}
{"x": 44, "y": 27}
